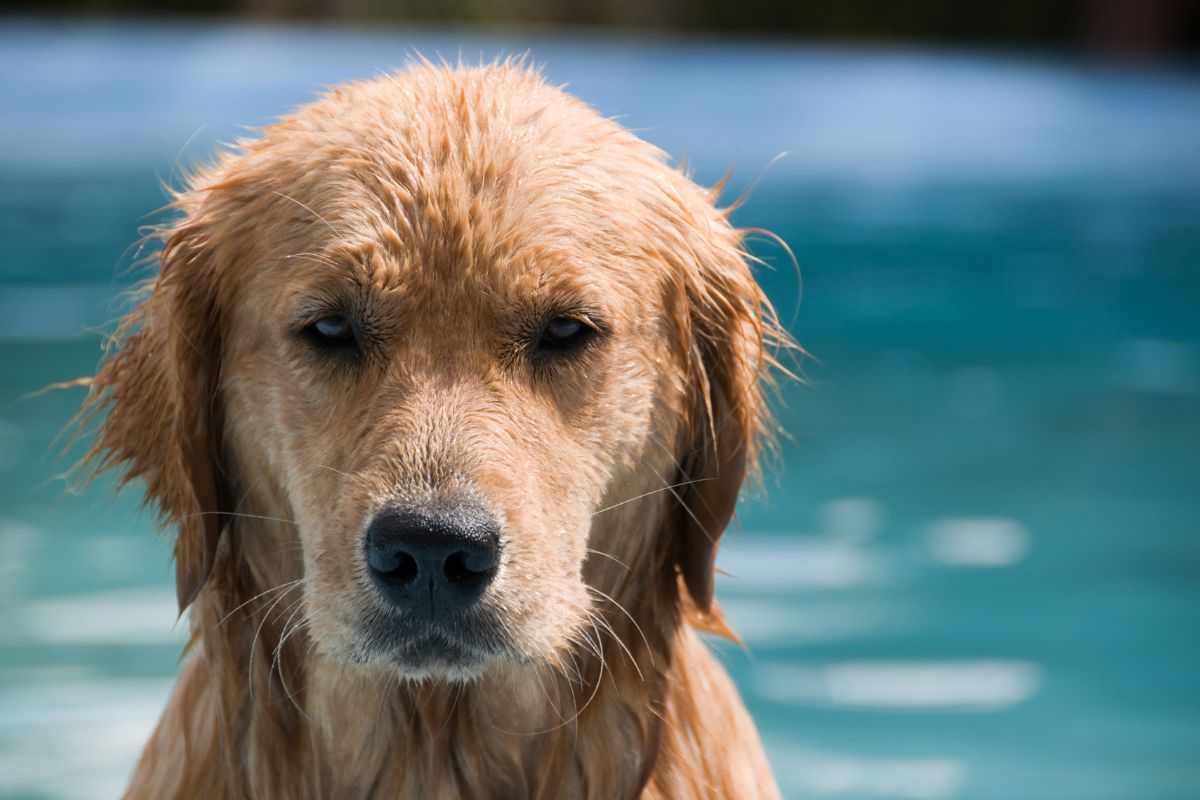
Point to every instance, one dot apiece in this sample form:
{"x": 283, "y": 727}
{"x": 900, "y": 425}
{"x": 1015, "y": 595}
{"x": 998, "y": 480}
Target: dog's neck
{"x": 312, "y": 727}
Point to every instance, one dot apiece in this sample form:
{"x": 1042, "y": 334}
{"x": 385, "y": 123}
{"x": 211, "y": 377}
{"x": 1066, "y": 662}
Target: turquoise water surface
{"x": 974, "y": 571}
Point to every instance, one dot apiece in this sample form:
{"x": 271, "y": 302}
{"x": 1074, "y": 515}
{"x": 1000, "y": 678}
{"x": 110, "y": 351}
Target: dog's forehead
{"x": 477, "y": 180}
{"x": 509, "y": 239}
{"x": 438, "y": 271}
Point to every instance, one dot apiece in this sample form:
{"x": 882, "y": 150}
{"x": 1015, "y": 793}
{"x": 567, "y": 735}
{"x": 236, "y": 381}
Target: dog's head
{"x": 468, "y": 336}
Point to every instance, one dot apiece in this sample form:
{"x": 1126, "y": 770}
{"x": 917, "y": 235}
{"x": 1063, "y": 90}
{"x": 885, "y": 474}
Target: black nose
{"x": 433, "y": 561}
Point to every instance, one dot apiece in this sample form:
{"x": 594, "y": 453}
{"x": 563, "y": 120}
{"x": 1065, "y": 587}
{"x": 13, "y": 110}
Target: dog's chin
{"x": 436, "y": 658}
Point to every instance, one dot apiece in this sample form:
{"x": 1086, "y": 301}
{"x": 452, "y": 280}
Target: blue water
{"x": 974, "y": 572}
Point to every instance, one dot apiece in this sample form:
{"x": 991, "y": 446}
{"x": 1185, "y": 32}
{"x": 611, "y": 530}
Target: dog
{"x": 448, "y": 386}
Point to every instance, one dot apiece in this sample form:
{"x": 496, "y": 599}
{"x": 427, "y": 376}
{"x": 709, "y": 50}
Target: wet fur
{"x": 458, "y": 192}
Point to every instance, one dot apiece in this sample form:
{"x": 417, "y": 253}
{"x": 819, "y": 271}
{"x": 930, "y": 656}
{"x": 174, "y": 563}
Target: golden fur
{"x": 446, "y": 207}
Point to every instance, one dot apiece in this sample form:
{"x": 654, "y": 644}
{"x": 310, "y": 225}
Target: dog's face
{"x": 445, "y": 420}
{"x": 456, "y": 319}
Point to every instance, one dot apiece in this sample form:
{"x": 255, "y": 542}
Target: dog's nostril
{"x": 393, "y": 563}
{"x": 405, "y": 570}
{"x": 433, "y": 561}
{"x": 468, "y": 568}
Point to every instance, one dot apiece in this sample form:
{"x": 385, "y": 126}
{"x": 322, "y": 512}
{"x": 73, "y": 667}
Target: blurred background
{"x": 974, "y": 571}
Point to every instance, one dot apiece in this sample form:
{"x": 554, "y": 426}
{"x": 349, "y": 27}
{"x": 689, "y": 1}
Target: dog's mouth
{"x": 457, "y": 648}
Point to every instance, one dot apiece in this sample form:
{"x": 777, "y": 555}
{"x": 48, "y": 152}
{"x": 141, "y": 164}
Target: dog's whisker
{"x": 242, "y": 515}
{"x": 679, "y": 498}
{"x": 599, "y": 678}
{"x": 537, "y": 675}
{"x": 242, "y": 605}
{"x": 607, "y": 626}
{"x": 276, "y": 666}
{"x": 650, "y": 493}
{"x": 623, "y": 610}
{"x": 609, "y": 556}
{"x": 671, "y": 455}
{"x": 285, "y": 631}
{"x": 254, "y": 640}
{"x": 348, "y": 476}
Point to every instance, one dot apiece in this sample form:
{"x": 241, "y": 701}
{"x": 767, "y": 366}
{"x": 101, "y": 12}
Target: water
{"x": 974, "y": 571}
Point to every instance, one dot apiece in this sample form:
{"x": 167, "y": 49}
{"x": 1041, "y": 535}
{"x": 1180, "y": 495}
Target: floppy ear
{"x": 162, "y": 419}
{"x": 729, "y": 324}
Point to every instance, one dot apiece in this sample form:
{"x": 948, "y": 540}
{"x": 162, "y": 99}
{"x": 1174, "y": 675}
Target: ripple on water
{"x": 785, "y": 562}
{"x": 821, "y": 773}
{"x": 766, "y": 622}
{"x": 978, "y": 542}
{"x": 120, "y": 617}
{"x": 969, "y": 686}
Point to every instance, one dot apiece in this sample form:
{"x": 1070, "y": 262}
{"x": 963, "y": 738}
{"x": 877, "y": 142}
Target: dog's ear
{"x": 712, "y": 474}
{"x": 729, "y": 329}
{"x": 157, "y": 391}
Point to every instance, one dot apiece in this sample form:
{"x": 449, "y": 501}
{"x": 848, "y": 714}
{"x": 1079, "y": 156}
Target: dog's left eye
{"x": 564, "y": 335}
{"x": 334, "y": 331}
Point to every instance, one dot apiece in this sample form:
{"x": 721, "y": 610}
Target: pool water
{"x": 973, "y": 572}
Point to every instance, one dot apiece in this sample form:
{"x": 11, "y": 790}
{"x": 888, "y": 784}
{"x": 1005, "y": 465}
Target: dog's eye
{"x": 564, "y": 335}
{"x": 335, "y": 331}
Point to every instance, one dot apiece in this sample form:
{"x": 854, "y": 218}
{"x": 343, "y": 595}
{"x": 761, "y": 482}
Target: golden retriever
{"x": 449, "y": 386}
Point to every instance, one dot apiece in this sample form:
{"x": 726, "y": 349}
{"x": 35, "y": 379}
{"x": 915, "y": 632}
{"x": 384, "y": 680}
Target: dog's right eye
{"x": 333, "y": 332}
